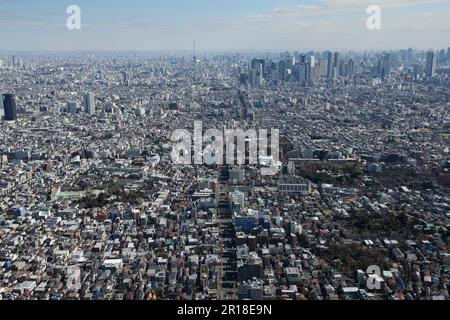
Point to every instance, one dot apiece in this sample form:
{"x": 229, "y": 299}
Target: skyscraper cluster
{"x": 300, "y": 68}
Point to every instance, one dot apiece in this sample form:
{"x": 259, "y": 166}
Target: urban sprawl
{"x": 94, "y": 207}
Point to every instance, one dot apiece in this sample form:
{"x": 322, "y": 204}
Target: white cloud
{"x": 328, "y": 24}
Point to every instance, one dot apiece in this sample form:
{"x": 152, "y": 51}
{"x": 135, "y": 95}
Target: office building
{"x": 430, "y": 69}
{"x": 194, "y": 56}
{"x": 312, "y": 61}
{"x": 126, "y": 78}
{"x": 72, "y": 107}
{"x": 304, "y": 72}
{"x": 9, "y": 105}
{"x": 257, "y": 72}
{"x": 282, "y": 70}
{"x": 418, "y": 71}
{"x": 336, "y": 65}
{"x": 323, "y": 68}
{"x": 330, "y": 64}
{"x": 384, "y": 65}
{"x": 258, "y": 64}
{"x": 89, "y": 103}
{"x": 351, "y": 68}
{"x": 2, "y": 110}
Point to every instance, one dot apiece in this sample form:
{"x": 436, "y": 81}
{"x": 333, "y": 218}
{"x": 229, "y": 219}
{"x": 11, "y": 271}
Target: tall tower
{"x": 89, "y": 103}
{"x": 257, "y": 72}
{"x": 2, "y": 111}
{"x": 336, "y": 65}
{"x": 194, "y": 57}
{"x": 351, "y": 68}
{"x": 431, "y": 64}
{"x": 330, "y": 64}
{"x": 10, "y": 107}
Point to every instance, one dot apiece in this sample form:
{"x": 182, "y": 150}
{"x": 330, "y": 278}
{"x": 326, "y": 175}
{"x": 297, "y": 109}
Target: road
{"x": 228, "y": 268}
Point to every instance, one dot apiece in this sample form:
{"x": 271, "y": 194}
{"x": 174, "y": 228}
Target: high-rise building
{"x": 302, "y": 72}
{"x": 257, "y": 72}
{"x": 243, "y": 79}
{"x": 312, "y": 61}
{"x": 2, "y": 110}
{"x": 89, "y": 103}
{"x": 384, "y": 65}
{"x": 448, "y": 55}
{"x": 442, "y": 56}
{"x": 336, "y": 65}
{"x": 282, "y": 70}
{"x": 418, "y": 71}
{"x": 301, "y": 58}
{"x": 430, "y": 69}
{"x": 258, "y": 64}
{"x": 194, "y": 57}
{"x": 305, "y": 72}
{"x": 9, "y": 104}
{"x": 126, "y": 78}
{"x": 330, "y": 64}
{"x": 351, "y": 68}
{"x": 72, "y": 107}
{"x": 323, "y": 68}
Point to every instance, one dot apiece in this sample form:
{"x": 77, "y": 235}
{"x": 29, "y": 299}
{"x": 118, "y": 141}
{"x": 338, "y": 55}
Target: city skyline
{"x": 234, "y": 26}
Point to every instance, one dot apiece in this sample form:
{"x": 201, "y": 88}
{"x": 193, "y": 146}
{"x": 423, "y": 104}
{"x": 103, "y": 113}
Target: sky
{"x": 223, "y": 25}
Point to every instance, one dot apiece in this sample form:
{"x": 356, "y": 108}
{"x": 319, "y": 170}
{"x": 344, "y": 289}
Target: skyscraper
{"x": 323, "y": 68}
{"x": 126, "y": 78}
{"x": 418, "y": 71}
{"x": 194, "y": 57}
{"x": 258, "y": 64}
{"x": 9, "y": 103}
{"x": 302, "y": 58}
{"x": 430, "y": 70}
{"x": 336, "y": 65}
{"x": 384, "y": 65}
{"x": 89, "y": 103}
{"x": 330, "y": 64}
{"x": 282, "y": 70}
{"x": 312, "y": 61}
{"x": 257, "y": 72}
{"x": 2, "y": 111}
{"x": 448, "y": 55}
{"x": 72, "y": 107}
{"x": 351, "y": 68}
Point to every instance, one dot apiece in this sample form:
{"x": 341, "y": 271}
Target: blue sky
{"x": 223, "y": 25}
